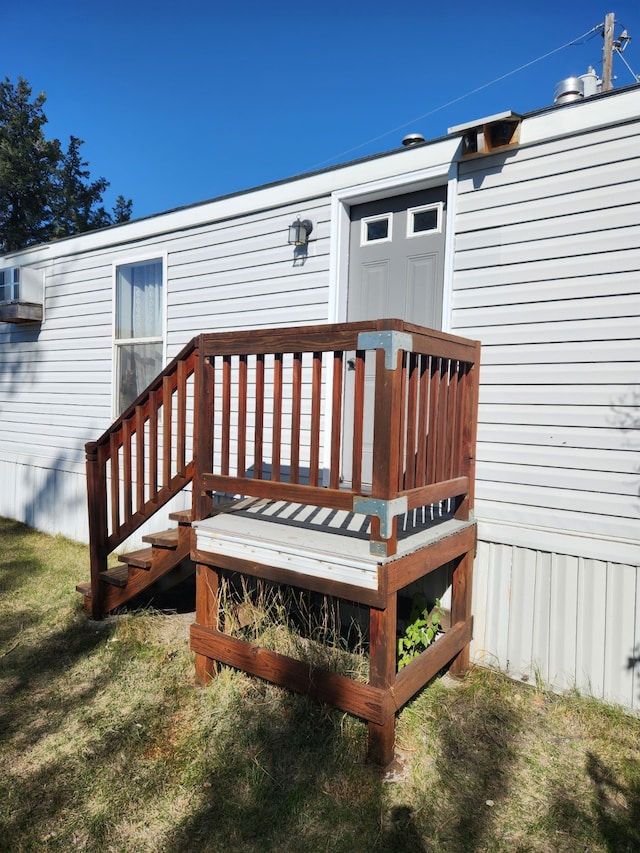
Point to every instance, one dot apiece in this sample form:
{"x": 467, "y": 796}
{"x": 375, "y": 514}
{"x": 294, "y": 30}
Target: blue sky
{"x": 182, "y": 102}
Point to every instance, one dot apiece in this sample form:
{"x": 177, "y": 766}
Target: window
{"x": 10, "y": 284}
{"x": 425, "y": 219}
{"x": 376, "y": 229}
{"x": 138, "y": 329}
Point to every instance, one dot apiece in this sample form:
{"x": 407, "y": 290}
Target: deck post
{"x": 461, "y": 592}
{"x": 386, "y": 444}
{"x": 207, "y": 583}
{"x": 204, "y": 415}
{"x": 382, "y": 673}
{"x": 97, "y": 500}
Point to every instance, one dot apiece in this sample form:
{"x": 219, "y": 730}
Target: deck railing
{"x": 377, "y": 417}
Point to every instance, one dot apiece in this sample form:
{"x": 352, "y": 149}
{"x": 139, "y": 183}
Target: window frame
{"x": 11, "y": 281}
{"x": 116, "y": 343}
{"x": 412, "y": 211}
{"x": 375, "y": 218}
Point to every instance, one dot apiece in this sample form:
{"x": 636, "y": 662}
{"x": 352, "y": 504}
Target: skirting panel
{"x": 570, "y": 621}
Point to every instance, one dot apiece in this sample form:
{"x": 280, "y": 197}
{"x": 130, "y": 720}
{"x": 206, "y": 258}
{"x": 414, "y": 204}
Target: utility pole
{"x": 607, "y": 53}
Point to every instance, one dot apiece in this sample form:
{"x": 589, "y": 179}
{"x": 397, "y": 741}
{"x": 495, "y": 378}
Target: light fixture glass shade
{"x": 299, "y": 233}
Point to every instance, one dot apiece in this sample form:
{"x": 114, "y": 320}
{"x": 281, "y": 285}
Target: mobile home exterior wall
{"x": 546, "y": 274}
{"x": 543, "y": 267}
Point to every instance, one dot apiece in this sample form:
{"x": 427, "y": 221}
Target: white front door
{"x": 396, "y": 270}
{"x": 396, "y": 258}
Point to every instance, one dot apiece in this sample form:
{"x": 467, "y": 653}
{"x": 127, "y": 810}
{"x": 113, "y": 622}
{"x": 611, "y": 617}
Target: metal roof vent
{"x": 566, "y": 91}
{"x": 577, "y": 88}
{"x": 412, "y": 139}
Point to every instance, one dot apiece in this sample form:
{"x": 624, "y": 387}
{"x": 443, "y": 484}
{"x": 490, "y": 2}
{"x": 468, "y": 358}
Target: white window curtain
{"x": 139, "y": 301}
{"x": 138, "y": 332}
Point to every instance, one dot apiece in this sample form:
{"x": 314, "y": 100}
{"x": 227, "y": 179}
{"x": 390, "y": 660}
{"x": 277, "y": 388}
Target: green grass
{"x": 106, "y": 746}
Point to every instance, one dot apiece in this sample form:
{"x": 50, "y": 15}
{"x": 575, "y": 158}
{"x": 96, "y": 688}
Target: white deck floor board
{"x": 316, "y": 541}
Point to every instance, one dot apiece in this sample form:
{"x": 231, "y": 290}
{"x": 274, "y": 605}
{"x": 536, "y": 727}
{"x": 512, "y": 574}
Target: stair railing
{"x": 377, "y": 417}
{"x": 141, "y": 462}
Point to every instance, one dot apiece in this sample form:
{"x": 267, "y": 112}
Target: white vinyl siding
{"x": 243, "y": 274}
{"x": 56, "y": 379}
{"x": 547, "y": 276}
{"x": 548, "y": 279}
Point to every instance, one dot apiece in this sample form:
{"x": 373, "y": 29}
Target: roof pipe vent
{"x": 568, "y": 90}
{"x": 412, "y": 139}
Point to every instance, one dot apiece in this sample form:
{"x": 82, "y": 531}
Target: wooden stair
{"x": 142, "y": 568}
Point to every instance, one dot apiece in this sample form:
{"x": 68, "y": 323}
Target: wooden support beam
{"x": 461, "y": 591}
{"x": 382, "y": 675}
{"x": 207, "y": 584}
{"x": 362, "y": 700}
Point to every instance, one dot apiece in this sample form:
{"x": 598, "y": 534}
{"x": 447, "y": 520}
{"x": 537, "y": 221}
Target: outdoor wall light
{"x": 299, "y": 232}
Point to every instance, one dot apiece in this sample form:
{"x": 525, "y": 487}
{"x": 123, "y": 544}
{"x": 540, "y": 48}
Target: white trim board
{"x": 613, "y": 550}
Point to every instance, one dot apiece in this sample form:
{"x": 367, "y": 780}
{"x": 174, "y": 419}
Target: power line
{"x": 579, "y": 40}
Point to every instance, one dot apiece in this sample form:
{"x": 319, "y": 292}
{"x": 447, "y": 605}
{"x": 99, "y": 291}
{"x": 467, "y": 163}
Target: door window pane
{"x": 422, "y": 220}
{"x": 376, "y": 229}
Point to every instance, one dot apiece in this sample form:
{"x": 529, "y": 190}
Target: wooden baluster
{"x": 423, "y": 422}
{"x": 402, "y": 426}
{"x": 358, "y": 421}
{"x": 412, "y": 424}
{"x": 140, "y": 466}
{"x": 441, "y": 428}
{"x": 153, "y": 445}
{"x": 296, "y": 417}
{"x": 434, "y": 399}
{"x": 259, "y": 418}
{"x": 167, "y": 442}
{"x": 276, "y": 436}
{"x": 242, "y": 416}
{"x": 225, "y": 434}
{"x": 451, "y": 469}
{"x": 114, "y": 455}
{"x": 182, "y": 419}
{"x": 336, "y": 420}
{"x": 126, "y": 469}
{"x": 316, "y": 392}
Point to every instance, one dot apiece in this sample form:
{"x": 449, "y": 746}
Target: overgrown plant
{"x": 420, "y": 632}
{"x": 294, "y": 622}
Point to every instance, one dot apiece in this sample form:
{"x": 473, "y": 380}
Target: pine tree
{"x": 45, "y": 193}
{"x": 28, "y": 164}
{"x": 78, "y": 206}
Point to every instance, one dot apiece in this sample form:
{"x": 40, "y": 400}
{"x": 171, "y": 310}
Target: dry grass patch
{"x": 106, "y": 746}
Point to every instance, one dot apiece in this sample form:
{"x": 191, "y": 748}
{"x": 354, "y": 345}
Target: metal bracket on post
{"x": 390, "y": 341}
{"x": 384, "y": 510}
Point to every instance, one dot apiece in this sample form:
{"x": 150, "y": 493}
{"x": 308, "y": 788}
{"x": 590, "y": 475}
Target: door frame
{"x": 341, "y": 202}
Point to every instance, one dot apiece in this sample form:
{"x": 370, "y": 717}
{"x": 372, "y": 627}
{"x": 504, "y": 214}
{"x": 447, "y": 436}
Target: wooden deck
{"x": 319, "y": 548}
{"x": 347, "y": 456}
